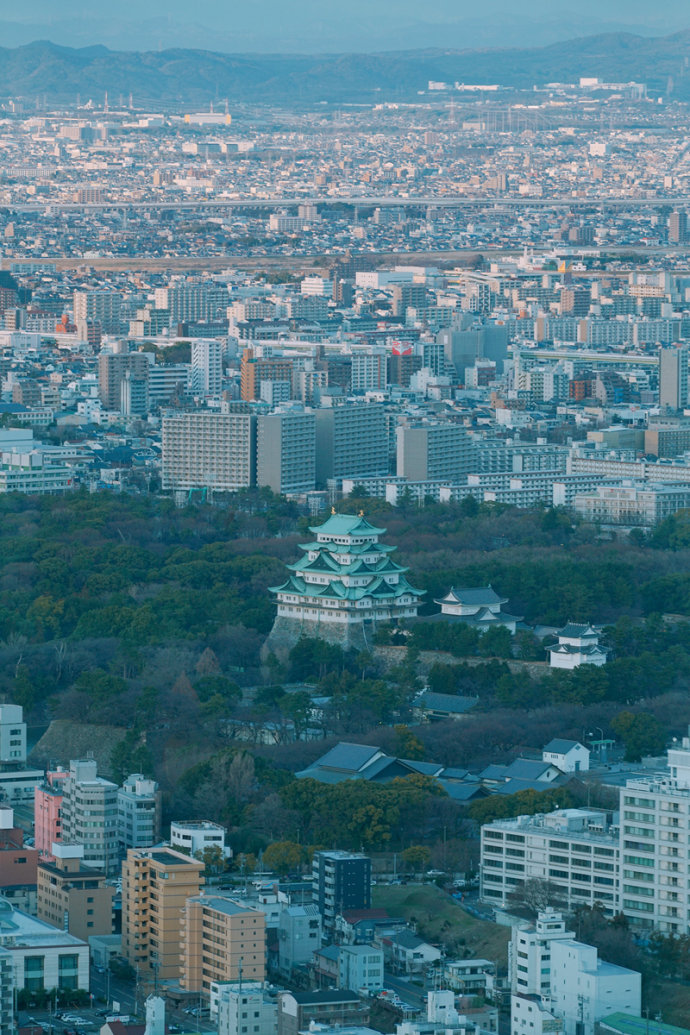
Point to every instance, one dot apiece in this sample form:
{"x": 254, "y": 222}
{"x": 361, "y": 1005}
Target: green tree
{"x": 416, "y": 858}
{"x": 641, "y": 733}
{"x": 283, "y": 857}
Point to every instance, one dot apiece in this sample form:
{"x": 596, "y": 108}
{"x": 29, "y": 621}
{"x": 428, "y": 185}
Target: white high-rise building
{"x": 90, "y": 814}
{"x": 206, "y": 372}
{"x": 244, "y": 1007}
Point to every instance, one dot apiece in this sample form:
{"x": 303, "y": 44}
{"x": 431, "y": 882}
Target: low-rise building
{"x": 73, "y": 896}
{"x": 360, "y": 967}
{"x": 43, "y": 957}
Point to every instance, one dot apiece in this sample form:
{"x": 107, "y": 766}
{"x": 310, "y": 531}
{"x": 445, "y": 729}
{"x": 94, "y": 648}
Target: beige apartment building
{"x": 156, "y": 883}
{"x": 71, "y": 896}
{"x": 221, "y": 940}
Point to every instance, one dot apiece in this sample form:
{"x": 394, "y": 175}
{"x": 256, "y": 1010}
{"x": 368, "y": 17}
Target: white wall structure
{"x": 584, "y": 988}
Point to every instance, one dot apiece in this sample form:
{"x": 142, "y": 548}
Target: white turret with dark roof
{"x": 577, "y": 645}
{"x": 344, "y": 584}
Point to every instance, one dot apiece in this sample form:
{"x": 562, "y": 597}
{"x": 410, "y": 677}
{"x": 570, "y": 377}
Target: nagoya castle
{"x": 346, "y": 582}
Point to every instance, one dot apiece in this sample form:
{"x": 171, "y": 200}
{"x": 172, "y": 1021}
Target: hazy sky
{"x": 331, "y": 25}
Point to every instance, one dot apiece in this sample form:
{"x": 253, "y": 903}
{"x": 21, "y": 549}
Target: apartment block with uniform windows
{"x": 156, "y": 883}
{"x": 221, "y": 940}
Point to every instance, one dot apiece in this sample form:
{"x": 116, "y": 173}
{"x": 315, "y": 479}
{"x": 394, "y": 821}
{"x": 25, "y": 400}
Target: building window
{"x": 33, "y": 973}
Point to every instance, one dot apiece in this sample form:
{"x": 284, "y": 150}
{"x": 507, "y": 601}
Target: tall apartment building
{"x": 428, "y": 452}
{"x": 577, "y": 850}
{"x": 123, "y": 380}
{"x": 206, "y": 372}
{"x": 221, "y": 940}
{"x": 138, "y": 813}
{"x": 98, "y": 307}
{"x": 286, "y": 450}
{"x": 156, "y": 883}
{"x": 209, "y": 450}
{"x": 72, "y": 896}
{"x": 673, "y": 377}
{"x": 351, "y": 442}
{"x": 255, "y": 369}
{"x": 340, "y": 881}
{"x": 678, "y": 227}
{"x": 90, "y": 815}
{"x": 369, "y": 371}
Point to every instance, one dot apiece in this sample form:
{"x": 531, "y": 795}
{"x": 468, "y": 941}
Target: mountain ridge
{"x": 192, "y": 76}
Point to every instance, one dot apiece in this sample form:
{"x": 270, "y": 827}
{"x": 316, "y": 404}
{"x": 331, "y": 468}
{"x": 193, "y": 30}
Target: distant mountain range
{"x": 173, "y": 78}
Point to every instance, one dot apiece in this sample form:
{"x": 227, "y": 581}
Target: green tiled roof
{"x": 346, "y": 524}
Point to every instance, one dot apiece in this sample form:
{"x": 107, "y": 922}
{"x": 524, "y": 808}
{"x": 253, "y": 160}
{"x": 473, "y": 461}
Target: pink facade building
{"x": 48, "y": 813}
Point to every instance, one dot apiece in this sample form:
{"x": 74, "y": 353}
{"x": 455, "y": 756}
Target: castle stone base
{"x": 287, "y": 631}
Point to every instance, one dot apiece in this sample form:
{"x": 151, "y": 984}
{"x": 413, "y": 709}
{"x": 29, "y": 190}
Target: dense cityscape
{"x": 344, "y": 563}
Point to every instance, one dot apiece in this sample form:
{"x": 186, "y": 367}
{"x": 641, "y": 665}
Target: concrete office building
{"x": 195, "y": 837}
{"x": 351, "y": 441}
{"x": 167, "y": 381}
{"x": 578, "y": 850}
{"x": 12, "y": 734}
{"x": 430, "y": 452}
{"x": 341, "y": 881}
{"x": 130, "y": 369}
{"x": 90, "y": 815}
{"x": 333, "y": 1007}
{"x": 465, "y": 345}
{"x": 673, "y": 377}
{"x": 299, "y": 936}
{"x": 138, "y": 813}
{"x": 244, "y": 1008}
{"x": 584, "y": 989}
{"x": 529, "y": 953}
{"x": 286, "y": 450}
{"x": 360, "y": 967}
{"x": 206, "y": 450}
{"x": 636, "y": 504}
{"x": 42, "y": 956}
{"x": 222, "y": 940}
{"x": 73, "y": 896}
{"x": 655, "y": 848}
{"x": 156, "y": 883}
{"x": 206, "y": 371}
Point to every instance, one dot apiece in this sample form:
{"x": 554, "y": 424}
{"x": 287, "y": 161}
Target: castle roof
{"x": 346, "y": 524}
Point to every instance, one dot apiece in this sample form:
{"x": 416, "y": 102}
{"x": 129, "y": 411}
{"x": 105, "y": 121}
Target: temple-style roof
{"x": 482, "y": 596}
{"x": 351, "y": 548}
{"x": 346, "y": 524}
{"x": 579, "y": 631}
